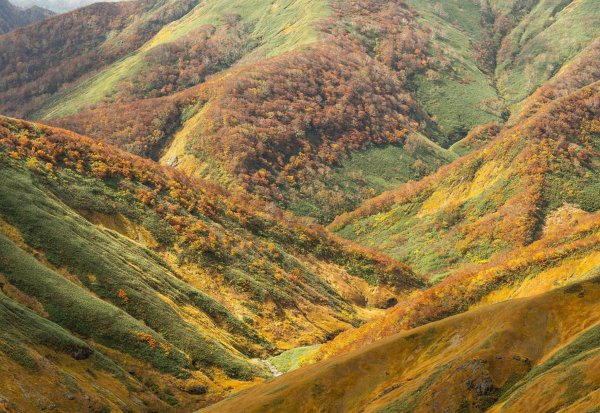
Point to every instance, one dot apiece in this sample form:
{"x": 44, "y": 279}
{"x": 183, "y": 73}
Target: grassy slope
{"x": 126, "y": 281}
{"x": 455, "y": 99}
{"x": 500, "y": 352}
{"x": 568, "y": 252}
{"x": 278, "y": 27}
{"x": 72, "y": 244}
{"x": 544, "y": 41}
{"x": 444, "y": 221}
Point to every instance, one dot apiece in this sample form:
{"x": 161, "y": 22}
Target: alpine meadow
{"x": 336, "y": 206}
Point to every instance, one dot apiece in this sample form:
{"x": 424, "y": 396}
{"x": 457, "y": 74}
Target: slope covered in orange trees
{"x": 316, "y": 106}
{"x": 514, "y": 218}
{"x": 279, "y": 126}
{"x": 168, "y": 279}
{"x": 493, "y": 200}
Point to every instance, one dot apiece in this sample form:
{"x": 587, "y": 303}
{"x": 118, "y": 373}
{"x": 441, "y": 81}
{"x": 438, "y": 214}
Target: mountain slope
{"x": 166, "y": 278}
{"x": 12, "y": 17}
{"x": 285, "y": 97}
{"x": 539, "y": 352}
{"x": 306, "y": 92}
{"x": 495, "y": 199}
{"x": 517, "y": 217}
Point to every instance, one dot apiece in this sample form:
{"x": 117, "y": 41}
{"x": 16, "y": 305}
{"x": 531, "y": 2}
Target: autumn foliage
{"x": 38, "y": 61}
{"x": 212, "y": 226}
{"x": 278, "y": 125}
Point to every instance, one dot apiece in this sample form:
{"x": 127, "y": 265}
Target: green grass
{"x": 29, "y": 329}
{"x": 545, "y": 40}
{"x": 104, "y": 263}
{"x": 74, "y": 309}
{"x": 386, "y": 167}
{"x": 278, "y": 27}
{"x": 456, "y": 106}
{"x": 548, "y": 38}
{"x": 290, "y": 360}
{"x": 462, "y": 13}
{"x": 370, "y": 172}
{"x": 84, "y": 94}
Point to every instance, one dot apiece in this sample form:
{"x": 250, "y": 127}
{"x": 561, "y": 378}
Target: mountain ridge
{"x": 301, "y": 205}
{"x": 12, "y": 17}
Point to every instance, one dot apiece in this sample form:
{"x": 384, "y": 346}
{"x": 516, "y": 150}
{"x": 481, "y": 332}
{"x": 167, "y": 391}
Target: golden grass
{"x": 430, "y": 367}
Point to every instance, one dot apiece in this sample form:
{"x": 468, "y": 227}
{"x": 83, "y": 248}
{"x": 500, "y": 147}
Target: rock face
{"x": 12, "y": 17}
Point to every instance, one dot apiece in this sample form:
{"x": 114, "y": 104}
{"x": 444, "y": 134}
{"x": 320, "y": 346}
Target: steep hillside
{"x": 290, "y": 119}
{"x": 495, "y": 199}
{"x": 547, "y": 39}
{"x": 517, "y": 217}
{"x": 12, "y": 17}
{"x": 166, "y": 287}
{"x": 539, "y": 353}
{"x": 323, "y": 103}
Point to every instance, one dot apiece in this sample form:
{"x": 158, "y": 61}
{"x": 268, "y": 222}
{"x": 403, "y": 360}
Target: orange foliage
{"x": 122, "y": 294}
{"x": 209, "y": 221}
{"x": 36, "y": 61}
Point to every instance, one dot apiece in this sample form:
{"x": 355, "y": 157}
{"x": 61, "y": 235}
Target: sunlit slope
{"x": 160, "y": 272}
{"x": 545, "y": 40}
{"x": 568, "y": 252}
{"x": 270, "y": 28}
{"x": 495, "y": 199}
{"x": 497, "y": 357}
